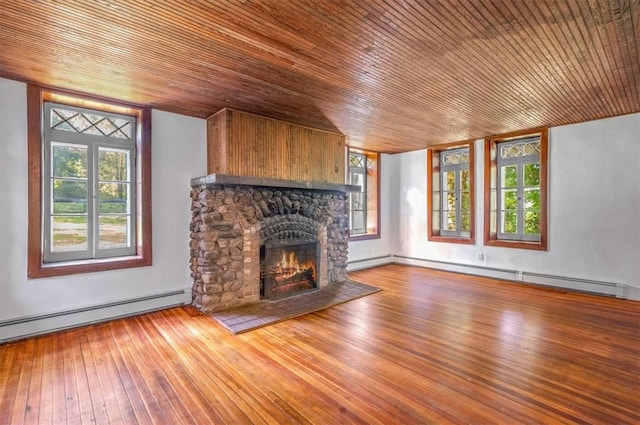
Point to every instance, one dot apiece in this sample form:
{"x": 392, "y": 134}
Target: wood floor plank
{"x": 82, "y": 379}
{"x": 25, "y": 362}
{"x": 116, "y": 342}
{"x": 431, "y": 348}
{"x": 116, "y": 402}
{"x": 70, "y": 388}
{"x": 32, "y": 406}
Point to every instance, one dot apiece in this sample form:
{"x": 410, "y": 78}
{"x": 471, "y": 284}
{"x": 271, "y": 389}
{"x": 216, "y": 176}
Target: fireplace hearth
{"x": 288, "y": 267}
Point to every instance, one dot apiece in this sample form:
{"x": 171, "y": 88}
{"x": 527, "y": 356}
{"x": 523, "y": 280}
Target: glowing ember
{"x": 289, "y": 265}
{"x": 287, "y": 270}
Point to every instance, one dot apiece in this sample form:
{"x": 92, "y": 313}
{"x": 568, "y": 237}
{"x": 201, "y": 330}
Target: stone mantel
{"x": 212, "y": 180}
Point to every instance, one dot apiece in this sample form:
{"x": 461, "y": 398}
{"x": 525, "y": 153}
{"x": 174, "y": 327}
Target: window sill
{"x": 64, "y": 268}
{"x": 537, "y": 246}
{"x": 364, "y": 237}
{"x": 452, "y": 239}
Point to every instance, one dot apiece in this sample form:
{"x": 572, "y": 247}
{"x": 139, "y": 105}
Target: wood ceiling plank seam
{"x": 468, "y": 76}
{"x": 410, "y": 109}
{"x": 603, "y": 54}
{"x": 483, "y": 61}
{"x": 385, "y": 77}
{"x": 620, "y": 27}
{"x": 582, "y": 91}
{"x": 610, "y": 66}
{"x": 635, "y": 30}
{"x": 510, "y": 45}
{"x": 252, "y": 21}
{"x": 364, "y": 61}
{"x": 612, "y": 29}
{"x": 75, "y": 87}
{"x": 445, "y": 97}
{"x": 586, "y": 50}
{"x": 300, "y": 55}
{"x": 143, "y": 71}
{"x": 555, "y": 56}
{"x": 318, "y": 71}
{"x": 226, "y": 52}
{"x": 452, "y": 32}
{"x": 577, "y": 50}
{"x": 105, "y": 82}
{"x": 230, "y": 68}
{"x": 542, "y": 58}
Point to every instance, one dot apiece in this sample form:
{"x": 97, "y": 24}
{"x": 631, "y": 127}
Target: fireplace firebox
{"x": 288, "y": 267}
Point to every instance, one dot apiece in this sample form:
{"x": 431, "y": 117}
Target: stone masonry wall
{"x": 229, "y": 223}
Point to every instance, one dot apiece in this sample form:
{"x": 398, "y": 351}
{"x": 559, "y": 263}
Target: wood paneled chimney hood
{"x": 248, "y": 145}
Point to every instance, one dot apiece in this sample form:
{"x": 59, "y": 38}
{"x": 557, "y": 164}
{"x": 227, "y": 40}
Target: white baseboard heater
{"x": 611, "y": 289}
{"x": 28, "y": 326}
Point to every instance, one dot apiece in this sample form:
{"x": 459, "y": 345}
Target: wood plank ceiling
{"x": 391, "y": 75}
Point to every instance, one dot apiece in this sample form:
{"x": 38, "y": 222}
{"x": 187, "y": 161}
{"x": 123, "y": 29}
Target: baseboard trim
{"x": 366, "y": 263}
{"x": 30, "y": 326}
{"x": 611, "y": 289}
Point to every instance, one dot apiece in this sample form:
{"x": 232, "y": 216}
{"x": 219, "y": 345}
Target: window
{"x": 364, "y": 222}
{"x": 450, "y": 197}
{"x": 516, "y": 190}
{"x": 89, "y": 185}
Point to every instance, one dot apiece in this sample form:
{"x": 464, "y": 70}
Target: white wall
{"x": 372, "y": 252}
{"x": 594, "y": 210}
{"x": 178, "y": 154}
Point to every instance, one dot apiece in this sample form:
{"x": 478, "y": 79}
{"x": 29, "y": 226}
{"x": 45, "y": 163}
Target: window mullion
{"x": 92, "y": 219}
{"x": 443, "y": 202}
{"x": 520, "y": 214}
{"x": 364, "y": 206}
{"x": 458, "y": 195}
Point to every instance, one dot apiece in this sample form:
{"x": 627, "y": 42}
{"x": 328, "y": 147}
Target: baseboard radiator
{"x": 611, "y": 289}
{"x": 29, "y": 326}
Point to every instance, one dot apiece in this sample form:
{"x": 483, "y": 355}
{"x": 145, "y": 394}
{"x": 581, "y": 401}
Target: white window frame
{"x": 436, "y": 217}
{"x": 93, "y": 143}
{"x": 355, "y": 174}
{"x": 456, "y": 168}
{"x": 519, "y": 162}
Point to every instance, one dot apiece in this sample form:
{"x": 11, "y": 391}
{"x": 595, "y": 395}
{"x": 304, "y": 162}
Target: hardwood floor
{"x": 432, "y": 347}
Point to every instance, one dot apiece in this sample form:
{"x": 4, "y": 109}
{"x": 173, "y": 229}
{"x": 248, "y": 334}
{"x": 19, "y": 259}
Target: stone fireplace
{"x": 236, "y": 218}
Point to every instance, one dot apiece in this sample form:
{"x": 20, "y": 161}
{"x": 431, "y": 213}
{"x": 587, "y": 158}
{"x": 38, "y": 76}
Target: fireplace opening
{"x": 288, "y": 267}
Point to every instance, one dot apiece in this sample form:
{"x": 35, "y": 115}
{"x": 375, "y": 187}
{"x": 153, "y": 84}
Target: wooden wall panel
{"x": 250, "y": 145}
{"x": 216, "y": 152}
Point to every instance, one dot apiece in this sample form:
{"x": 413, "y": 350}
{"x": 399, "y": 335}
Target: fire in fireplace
{"x": 288, "y": 267}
